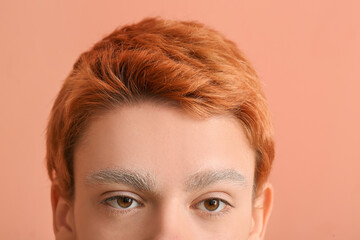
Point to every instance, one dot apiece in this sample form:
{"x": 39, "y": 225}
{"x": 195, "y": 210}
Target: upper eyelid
{"x": 119, "y": 196}
{"x": 215, "y": 197}
{"x": 112, "y": 194}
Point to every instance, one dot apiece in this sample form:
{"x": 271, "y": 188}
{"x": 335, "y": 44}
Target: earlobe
{"x": 63, "y": 220}
{"x": 261, "y": 212}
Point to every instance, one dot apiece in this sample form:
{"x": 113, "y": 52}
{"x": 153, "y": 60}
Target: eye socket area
{"x": 211, "y": 206}
{"x": 122, "y": 202}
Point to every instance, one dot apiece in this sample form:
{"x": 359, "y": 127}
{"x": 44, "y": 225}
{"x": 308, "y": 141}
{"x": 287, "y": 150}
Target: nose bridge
{"x": 170, "y": 221}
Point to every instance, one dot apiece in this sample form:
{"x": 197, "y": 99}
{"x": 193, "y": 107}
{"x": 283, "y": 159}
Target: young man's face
{"x": 149, "y": 171}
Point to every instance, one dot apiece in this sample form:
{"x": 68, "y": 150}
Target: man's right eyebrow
{"x": 136, "y": 179}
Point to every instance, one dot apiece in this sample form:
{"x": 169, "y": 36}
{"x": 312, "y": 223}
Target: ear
{"x": 261, "y": 212}
{"x": 63, "y": 217}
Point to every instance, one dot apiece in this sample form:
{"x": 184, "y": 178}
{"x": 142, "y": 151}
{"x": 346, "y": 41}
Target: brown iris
{"x": 124, "y": 202}
{"x": 211, "y": 204}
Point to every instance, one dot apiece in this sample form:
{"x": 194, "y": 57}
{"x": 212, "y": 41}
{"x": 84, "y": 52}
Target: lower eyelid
{"x": 111, "y": 211}
{"x": 226, "y": 210}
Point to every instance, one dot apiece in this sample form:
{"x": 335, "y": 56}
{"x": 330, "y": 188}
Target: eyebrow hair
{"x": 206, "y": 178}
{"x": 144, "y": 181}
{"x": 136, "y": 179}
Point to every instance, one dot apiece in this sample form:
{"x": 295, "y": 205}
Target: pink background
{"x": 306, "y": 52}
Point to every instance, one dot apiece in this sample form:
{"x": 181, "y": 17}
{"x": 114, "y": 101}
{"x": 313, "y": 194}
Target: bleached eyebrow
{"x": 136, "y": 179}
{"x": 205, "y": 178}
{"x": 146, "y": 182}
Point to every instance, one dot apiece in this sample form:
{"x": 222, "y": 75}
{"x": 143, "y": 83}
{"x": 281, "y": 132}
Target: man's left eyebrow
{"x": 205, "y": 178}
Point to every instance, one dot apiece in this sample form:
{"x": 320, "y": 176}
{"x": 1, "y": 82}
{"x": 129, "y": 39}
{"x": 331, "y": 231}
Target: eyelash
{"x": 125, "y": 210}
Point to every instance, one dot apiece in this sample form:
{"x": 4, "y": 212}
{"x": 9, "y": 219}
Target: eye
{"x": 121, "y": 202}
{"x": 214, "y": 205}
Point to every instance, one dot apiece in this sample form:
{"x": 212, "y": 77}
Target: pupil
{"x": 124, "y": 202}
{"x": 212, "y": 204}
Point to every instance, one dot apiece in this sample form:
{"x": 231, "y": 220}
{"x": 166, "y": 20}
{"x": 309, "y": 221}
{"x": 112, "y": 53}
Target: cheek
{"x": 92, "y": 222}
{"x": 238, "y": 225}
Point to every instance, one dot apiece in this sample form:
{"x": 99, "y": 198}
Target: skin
{"x": 168, "y": 146}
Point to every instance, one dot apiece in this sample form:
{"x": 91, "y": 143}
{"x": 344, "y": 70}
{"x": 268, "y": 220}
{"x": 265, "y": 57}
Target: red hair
{"x": 178, "y": 62}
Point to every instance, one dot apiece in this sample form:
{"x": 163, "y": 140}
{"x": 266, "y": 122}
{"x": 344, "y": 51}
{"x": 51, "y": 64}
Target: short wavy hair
{"x": 180, "y": 62}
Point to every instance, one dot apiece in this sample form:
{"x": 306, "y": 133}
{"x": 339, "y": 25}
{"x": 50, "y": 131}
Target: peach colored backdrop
{"x": 306, "y": 52}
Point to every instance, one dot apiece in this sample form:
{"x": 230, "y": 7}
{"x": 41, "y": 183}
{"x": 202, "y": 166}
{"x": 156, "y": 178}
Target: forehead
{"x": 164, "y": 141}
